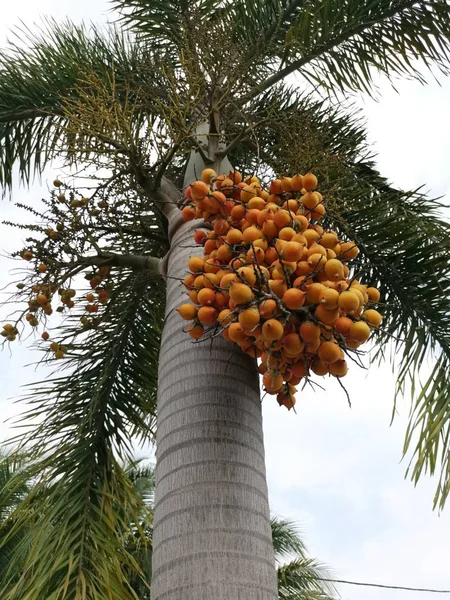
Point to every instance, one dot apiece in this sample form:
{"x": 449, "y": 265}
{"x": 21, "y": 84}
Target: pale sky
{"x": 334, "y": 470}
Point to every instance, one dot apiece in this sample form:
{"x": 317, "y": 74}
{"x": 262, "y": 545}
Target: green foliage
{"x": 34, "y": 84}
{"x": 301, "y": 578}
{"x": 77, "y": 516}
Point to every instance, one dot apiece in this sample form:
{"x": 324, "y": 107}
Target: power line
{"x": 389, "y": 587}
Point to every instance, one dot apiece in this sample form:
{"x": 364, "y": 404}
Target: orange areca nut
{"x": 274, "y": 283}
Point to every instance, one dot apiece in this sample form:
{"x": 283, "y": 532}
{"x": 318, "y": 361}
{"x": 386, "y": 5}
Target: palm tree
{"x": 204, "y": 79}
{"x": 301, "y": 577}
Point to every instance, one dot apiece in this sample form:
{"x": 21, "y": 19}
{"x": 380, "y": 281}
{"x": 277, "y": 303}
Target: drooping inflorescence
{"x": 273, "y": 281}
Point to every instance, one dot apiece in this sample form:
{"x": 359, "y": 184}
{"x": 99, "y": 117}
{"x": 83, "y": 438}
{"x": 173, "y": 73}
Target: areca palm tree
{"x": 195, "y": 83}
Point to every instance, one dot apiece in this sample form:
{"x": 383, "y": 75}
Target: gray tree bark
{"x": 212, "y": 536}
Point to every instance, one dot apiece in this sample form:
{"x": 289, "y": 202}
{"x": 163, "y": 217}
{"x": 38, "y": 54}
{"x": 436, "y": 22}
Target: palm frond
{"x": 35, "y": 80}
{"x": 342, "y": 43}
{"x": 302, "y": 579}
{"x": 404, "y": 243}
{"x": 77, "y": 516}
{"x": 163, "y": 21}
{"x": 286, "y": 539}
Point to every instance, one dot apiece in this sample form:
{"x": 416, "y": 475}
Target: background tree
{"x": 204, "y": 79}
{"x": 301, "y": 577}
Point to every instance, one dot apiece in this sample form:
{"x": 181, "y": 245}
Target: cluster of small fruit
{"x": 273, "y": 281}
{"x": 43, "y": 288}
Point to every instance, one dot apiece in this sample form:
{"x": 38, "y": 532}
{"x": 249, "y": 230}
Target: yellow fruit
{"x": 208, "y": 175}
{"x": 373, "y": 317}
{"x": 359, "y": 332}
{"x": 329, "y": 298}
{"x": 373, "y": 294}
{"x": 334, "y": 269}
{"x": 240, "y": 293}
{"x": 187, "y": 311}
{"x": 348, "y": 302}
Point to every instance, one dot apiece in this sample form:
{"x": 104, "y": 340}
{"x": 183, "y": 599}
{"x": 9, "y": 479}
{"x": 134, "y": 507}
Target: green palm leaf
{"x": 302, "y": 577}
{"x": 342, "y": 43}
{"x": 34, "y": 84}
{"x": 77, "y": 516}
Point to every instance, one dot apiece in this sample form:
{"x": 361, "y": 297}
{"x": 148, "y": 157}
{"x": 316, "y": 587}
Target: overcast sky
{"x": 335, "y": 470}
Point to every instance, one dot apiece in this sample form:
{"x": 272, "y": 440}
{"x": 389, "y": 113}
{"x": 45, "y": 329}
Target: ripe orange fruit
{"x": 249, "y": 318}
{"x": 294, "y": 298}
{"x": 286, "y": 400}
{"x": 328, "y": 317}
{"x": 272, "y": 381}
{"x": 199, "y": 189}
{"x": 292, "y": 251}
{"x": 313, "y": 292}
{"x": 339, "y": 368}
{"x": 329, "y": 298}
{"x": 195, "y": 330}
{"x": 207, "y": 315}
{"x": 196, "y": 264}
{"x": 187, "y": 311}
{"x": 297, "y": 183}
{"x": 206, "y": 297}
{"x": 359, "y": 332}
{"x": 334, "y": 269}
{"x": 278, "y": 287}
{"x": 318, "y": 366}
{"x": 272, "y": 330}
{"x": 343, "y": 325}
{"x": 309, "y": 181}
{"x": 293, "y": 344}
{"x": 236, "y": 333}
{"x": 373, "y": 294}
{"x": 300, "y": 368}
{"x": 188, "y": 213}
{"x": 329, "y": 240}
{"x": 349, "y": 250}
{"x": 240, "y": 293}
{"x": 329, "y": 352}
{"x": 45, "y": 335}
{"x": 208, "y": 175}
{"x": 373, "y": 317}
{"x": 309, "y": 332}
{"x": 247, "y": 275}
{"x": 268, "y": 308}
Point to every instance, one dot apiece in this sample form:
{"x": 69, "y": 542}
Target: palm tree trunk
{"x": 212, "y": 536}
